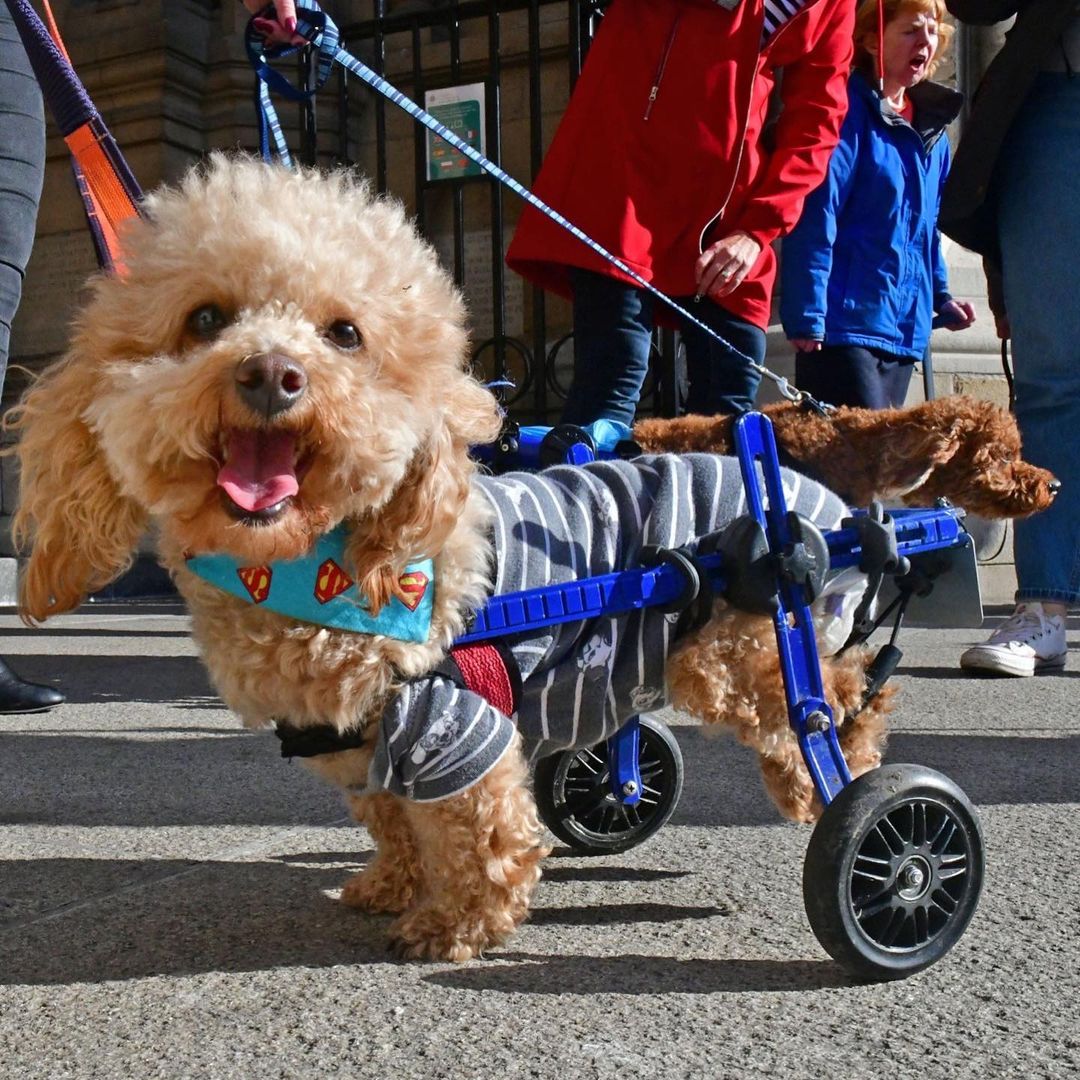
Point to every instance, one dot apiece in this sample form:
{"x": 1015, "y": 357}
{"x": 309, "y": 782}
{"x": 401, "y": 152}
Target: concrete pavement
{"x": 167, "y": 884}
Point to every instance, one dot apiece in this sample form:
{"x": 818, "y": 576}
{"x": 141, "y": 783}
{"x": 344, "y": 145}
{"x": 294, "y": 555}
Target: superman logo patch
{"x": 413, "y": 584}
{"x": 330, "y": 581}
{"x": 256, "y": 580}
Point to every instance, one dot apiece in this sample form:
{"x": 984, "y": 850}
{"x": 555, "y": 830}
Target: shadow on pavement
{"x": 131, "y": 919}
{"x": 172, "y": 917}
{"x": 723, "y": 785}
{"x": 225, "y": 778}
{"x": 238, "y": 778}
{"x": 157, "y": 680}
{"x": 615, "y": 914}
{"x": 630, "y": 974}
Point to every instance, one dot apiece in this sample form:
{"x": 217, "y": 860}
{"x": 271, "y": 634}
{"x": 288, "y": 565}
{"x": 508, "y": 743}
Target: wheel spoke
{"x": 875, "y": 904}
{"x": 591, "y": 760}
{"x": 896, "y": 923}
{"x": 944, "y": 902}
{"x": 651, "y": 770}
{"x": 919, "y": 824}
{"x": 921, "y": 924}
{"x": 872, "y": 869}
{"x": 892, "y": 839}
{"x": 944, "y": 836}
{"x": 585, "y": 805}
{"x": 947, "y": 874}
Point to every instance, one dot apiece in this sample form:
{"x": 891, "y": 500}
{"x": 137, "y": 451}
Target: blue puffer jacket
{"x": 864, "y": 266}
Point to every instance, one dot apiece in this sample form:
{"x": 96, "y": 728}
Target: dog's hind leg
{"x": 391, "y": 881}
{"x": 479, "y": 855}
{"x": 788, "y": 782}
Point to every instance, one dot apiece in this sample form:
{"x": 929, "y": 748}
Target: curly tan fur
{"x": 134, "y": 425}
{"x": 728, "y": 674}
{"x": 954, "y": 447}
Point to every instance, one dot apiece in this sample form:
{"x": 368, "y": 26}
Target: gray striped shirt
{"x": 582, "y": 680}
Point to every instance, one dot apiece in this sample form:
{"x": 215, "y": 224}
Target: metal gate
{"x": 500, "y": 71}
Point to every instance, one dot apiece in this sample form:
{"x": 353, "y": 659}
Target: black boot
{"x": 17, "y": 696}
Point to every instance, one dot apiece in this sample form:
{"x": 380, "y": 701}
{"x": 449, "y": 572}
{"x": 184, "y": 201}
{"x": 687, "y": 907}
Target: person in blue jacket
{"x": 862, "y": 274}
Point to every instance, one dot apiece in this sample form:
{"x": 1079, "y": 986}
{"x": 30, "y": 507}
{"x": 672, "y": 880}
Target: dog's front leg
{"x": 479, "y": 855}
{"x": 391, "y": 881}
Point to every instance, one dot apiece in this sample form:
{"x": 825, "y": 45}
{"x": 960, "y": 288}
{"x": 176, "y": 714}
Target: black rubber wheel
{"x": 573, "y": 793}
{"x": 893, "y": 871}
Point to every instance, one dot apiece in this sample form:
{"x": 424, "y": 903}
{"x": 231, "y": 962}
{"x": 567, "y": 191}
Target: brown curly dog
{"x": 963, "y": 449}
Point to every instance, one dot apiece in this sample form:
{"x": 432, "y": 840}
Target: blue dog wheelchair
{"x": 894, "y": 867}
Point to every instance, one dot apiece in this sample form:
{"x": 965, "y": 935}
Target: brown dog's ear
{"x": 80, "y": 531}
{"x": 907, "y": 453}
{"x": 428, "y": 502}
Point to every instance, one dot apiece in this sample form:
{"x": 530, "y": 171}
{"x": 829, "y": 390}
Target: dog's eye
{"x": 206, "y": 322}
{"x": 344, "y": 335}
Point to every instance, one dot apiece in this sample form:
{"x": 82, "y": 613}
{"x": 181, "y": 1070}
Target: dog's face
{"x": 985, "y": 473}
{"x": 282, "y": 353}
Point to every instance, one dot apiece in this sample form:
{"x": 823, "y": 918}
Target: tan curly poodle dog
{"x": 257, "y": 381}
{"x": 958, "y": 447}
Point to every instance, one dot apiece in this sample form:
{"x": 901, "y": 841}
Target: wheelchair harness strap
{"x": 488, "y": 670}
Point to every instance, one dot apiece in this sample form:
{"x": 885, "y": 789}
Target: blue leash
{"x": 321, "y": 31}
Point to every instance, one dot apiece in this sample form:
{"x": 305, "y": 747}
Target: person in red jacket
{"x": 659, "y": 158}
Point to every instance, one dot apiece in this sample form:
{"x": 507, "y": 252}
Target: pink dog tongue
{"x": 259, "y": 472}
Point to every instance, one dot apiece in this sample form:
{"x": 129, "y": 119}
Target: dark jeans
{"x": 852, "y": 375}
{"x": 22, "y": 164}
{"x": 613, "y": 325}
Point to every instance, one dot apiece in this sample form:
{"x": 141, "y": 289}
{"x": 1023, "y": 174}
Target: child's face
{"x": 911, "y": 40}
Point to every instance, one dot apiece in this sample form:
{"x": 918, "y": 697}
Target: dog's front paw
{"x": 426, "y": 933}
{"x": 380, "y": 888}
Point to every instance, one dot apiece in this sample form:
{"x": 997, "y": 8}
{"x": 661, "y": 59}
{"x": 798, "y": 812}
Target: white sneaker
{"x": 1028, "y": 641}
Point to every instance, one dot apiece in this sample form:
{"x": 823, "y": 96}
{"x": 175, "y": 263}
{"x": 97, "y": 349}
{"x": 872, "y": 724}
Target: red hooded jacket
{"x": 659, "y": 153}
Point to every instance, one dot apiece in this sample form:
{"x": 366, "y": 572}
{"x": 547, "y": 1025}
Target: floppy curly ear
{"x": 79, "y": 530}
{"x": 908, "y": 454}
{"x": 428, "y": 502}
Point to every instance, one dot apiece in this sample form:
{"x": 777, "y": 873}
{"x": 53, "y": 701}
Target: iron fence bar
{"x": 445, "y": 22}
{"x": 309, "y": 133}
{"x": 536, "y": 155}
{"x": 493, "y": 126}
{"x": 453, "y": 25}
{"x": 379, "y": 64}
{"x": 419, "y": 136}
{"x": 342, "y": 95}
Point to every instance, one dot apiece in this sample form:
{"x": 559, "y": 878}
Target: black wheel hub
{"x": 589, "y": 799}
{"x": 910, "y": 874}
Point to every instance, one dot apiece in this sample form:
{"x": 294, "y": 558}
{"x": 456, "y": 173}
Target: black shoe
{"x": 18, "y": 696}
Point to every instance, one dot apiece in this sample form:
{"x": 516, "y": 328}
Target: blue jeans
{"x": 1039, "y": 231}
{"x": 22, "y": 165}
{"x": 613, "y": 325}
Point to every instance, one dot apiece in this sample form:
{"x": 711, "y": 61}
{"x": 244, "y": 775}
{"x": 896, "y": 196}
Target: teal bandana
{"x": 316, "y": 589}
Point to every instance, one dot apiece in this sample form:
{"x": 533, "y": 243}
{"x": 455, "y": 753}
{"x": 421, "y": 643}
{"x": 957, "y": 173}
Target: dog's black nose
{"x": 1054, "y": 486}
{"x": 270, "y": 383}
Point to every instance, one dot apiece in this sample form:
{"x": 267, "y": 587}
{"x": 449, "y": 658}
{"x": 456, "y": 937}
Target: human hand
{"x": 1002, "y": 327}
{"x": 721, "y": 267}
{"x": 280, "y": 30}
{"x": 805, "y": 344}
{"x": 956, "y": 315}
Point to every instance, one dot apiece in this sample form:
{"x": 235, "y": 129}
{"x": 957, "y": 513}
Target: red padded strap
{"x": 485, "y": 670}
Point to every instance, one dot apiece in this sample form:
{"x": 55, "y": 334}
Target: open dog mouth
{"x": 260, "y": 474}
